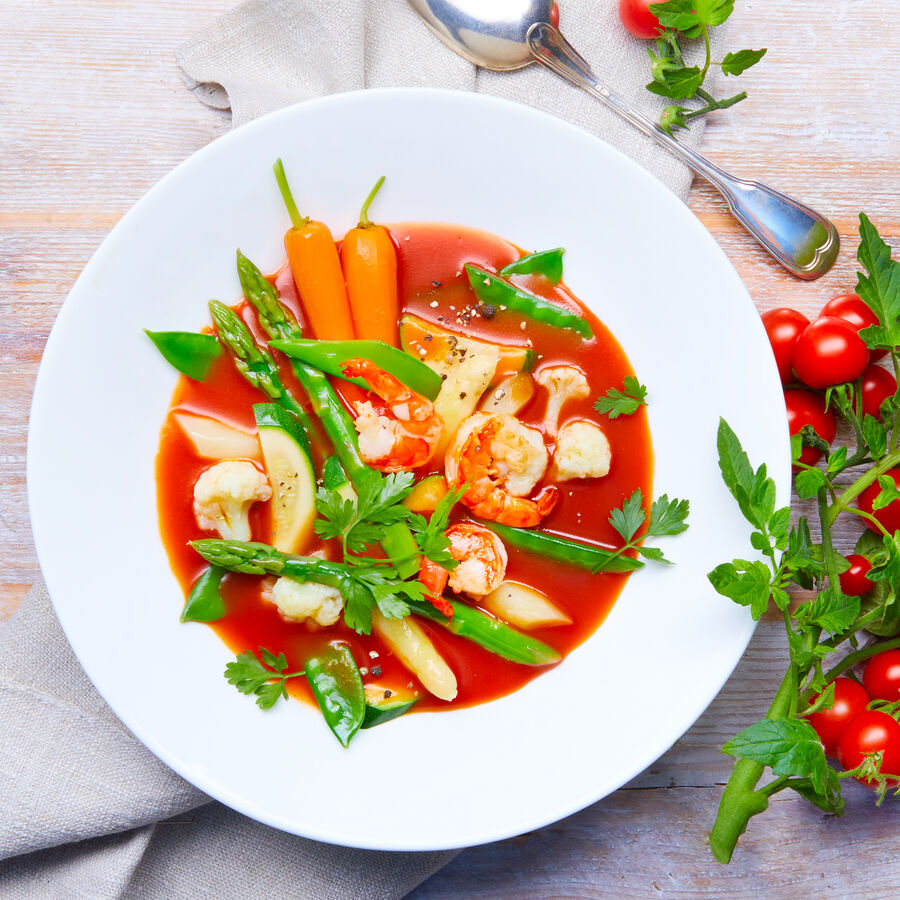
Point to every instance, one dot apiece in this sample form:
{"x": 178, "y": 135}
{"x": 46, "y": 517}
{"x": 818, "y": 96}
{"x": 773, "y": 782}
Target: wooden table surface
{"x": 93, "y": 112}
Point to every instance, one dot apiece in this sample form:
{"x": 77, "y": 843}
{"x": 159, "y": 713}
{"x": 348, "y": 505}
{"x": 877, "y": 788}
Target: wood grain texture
{"x": 94, "y": 112}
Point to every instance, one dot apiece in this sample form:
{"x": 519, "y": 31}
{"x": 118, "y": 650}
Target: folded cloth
{"x": 87, "y": 811}
{"x": 266, "y": 54}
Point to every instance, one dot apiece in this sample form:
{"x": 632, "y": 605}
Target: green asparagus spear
{"x": 256, "y": 364}
{"x": 472, "y": 624}
{"x": 279, "y": 324}
{"x": 492, "y": 634}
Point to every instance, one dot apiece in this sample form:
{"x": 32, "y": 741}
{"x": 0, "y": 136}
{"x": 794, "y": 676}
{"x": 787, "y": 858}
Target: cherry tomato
{"x": 783, "y": 326}
{"x": 869, "y": 732}
{"x": 853, "y": 309}
{"x": 554, "y": 15}
{"x": 807, "y": 408}
{"x": 854, "y": 582}
{"x": 877, "y": 385}
{"x": 829, "y": 351}
{"x": 850, "y": 699}
{"x": 882, "y": 676}
{"x": 890, "y": 515}
{"x": 637, "y": 18}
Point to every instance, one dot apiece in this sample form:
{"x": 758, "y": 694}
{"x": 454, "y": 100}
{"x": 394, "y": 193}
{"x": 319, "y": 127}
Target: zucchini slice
{"x": 290, "y": 474}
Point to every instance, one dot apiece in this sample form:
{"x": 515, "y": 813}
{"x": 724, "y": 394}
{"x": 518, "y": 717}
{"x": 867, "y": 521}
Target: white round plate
{"x": 635, "y": 254}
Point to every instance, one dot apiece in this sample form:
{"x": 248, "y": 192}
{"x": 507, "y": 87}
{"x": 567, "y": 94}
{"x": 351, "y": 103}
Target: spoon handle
{"x": 801, "y": 239}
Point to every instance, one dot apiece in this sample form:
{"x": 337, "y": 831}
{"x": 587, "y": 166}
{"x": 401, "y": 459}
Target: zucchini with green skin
{"x": 287, "y": 460}
{"x": 553, "y": 546}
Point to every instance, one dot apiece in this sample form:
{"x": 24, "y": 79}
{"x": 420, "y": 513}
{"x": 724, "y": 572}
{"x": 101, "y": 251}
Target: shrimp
{"x": 482, "y": 565}
{"x": 502, "y": 460}
{"x": 404, "y": 432}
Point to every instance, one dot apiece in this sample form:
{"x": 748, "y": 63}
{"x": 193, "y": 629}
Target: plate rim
{"x": 211, "y": 786}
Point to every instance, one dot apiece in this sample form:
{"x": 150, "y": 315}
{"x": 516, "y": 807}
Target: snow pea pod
{"x": 490, "y": 633}
{"x": 547, "y": 263}
{"x": 330, "y": 356}
{"x": 553, "y": 546}
{"x": 493, "y": 290}
{"x": 205, "y": 603}
{"x": 337, "y": 686}
{"x": 191, "y": 353}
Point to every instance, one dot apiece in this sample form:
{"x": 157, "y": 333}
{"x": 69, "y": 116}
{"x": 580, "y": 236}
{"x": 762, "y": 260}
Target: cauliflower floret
{"x": 563, "y": 383}
{"x": 224, "y": 494}
{"x": 582, "y": 451}
{"x": 301, "y": 600}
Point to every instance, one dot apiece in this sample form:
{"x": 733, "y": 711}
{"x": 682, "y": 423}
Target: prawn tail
{"x": 546, "y": 500}
{"x": 434, "y": 578}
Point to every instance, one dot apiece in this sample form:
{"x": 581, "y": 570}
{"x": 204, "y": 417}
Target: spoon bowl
{"x": 491, "y": 35}
{"x": 509, "y": 34}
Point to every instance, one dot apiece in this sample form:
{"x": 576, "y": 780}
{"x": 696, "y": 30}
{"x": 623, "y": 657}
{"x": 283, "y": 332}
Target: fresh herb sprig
{"x": 667, "y": 517}
{"x": 624, "y": 402}
{"x": 267, "y": 679}
{"x": 673, "y": 78}
{"x": 818, "y": 630}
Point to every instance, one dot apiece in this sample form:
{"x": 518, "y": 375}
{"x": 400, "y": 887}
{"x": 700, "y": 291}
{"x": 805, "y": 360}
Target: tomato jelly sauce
{"x": 433, "y": 286}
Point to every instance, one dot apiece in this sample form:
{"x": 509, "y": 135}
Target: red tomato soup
{"x": 434, "y": 287}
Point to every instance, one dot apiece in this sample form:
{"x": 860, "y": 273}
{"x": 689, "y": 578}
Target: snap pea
{"x": 330, "y": 356}
{"x": 205, "y": 603}
{"x": 492, "y": 634}
{"x": 553, "y": 546}
{"x": 190, "y": 353}
{"x": 337, "y": 686}
{"x": 493, "y": 290}
{"x": 547, "y": 263}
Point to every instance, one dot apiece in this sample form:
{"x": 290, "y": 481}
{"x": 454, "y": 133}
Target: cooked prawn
{"x": 502, "y": 460}
{"x": 403, "y": 432}
{"x": 482, "y": 565}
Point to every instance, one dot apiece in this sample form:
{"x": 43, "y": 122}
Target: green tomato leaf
{"x": 831, "y": 610}
{"x": 677, "y": 84}
{"x": 787, "y": 746}
{"x": 737, "y": 63}
{"x": 880, "y": 288}
{"x": 888, "y": 493}
{"x": 747, "y": 583}
{"x": 808, "y": 482}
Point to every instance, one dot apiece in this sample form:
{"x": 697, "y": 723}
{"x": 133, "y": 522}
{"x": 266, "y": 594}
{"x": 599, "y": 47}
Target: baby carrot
{"x": 369, "y": 262}
{"x": 316, "y": 268}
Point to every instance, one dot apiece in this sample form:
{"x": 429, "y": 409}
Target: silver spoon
{"x": 510, "y": 34}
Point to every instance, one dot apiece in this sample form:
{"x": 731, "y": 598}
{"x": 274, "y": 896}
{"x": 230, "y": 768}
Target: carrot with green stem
{"x": 369, "y": 261}
{"x": 316, "y": 267}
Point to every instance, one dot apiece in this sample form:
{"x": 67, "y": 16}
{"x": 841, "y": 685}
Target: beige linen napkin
{"x": 85, "y": 810}
{"x": 269, "y": 53}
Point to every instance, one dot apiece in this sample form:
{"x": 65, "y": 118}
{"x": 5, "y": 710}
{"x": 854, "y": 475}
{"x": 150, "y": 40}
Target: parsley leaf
{"x": 250, "y": 676}
{"x": 667, "y": 517}
{"x": 623, "y": 402}
{"x": 430, "y": 534}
